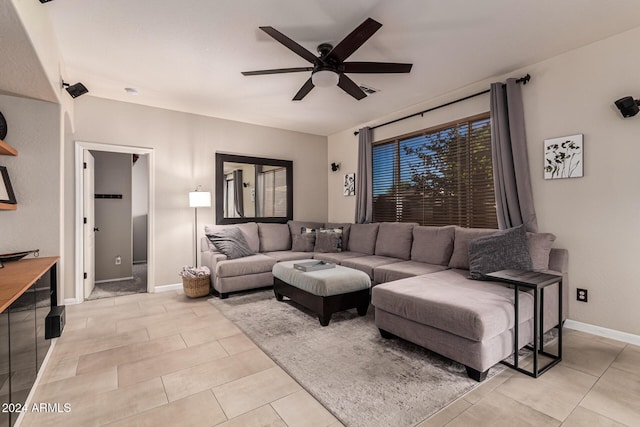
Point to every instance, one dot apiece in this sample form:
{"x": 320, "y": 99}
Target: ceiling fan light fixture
{"x": 325, "y": 78}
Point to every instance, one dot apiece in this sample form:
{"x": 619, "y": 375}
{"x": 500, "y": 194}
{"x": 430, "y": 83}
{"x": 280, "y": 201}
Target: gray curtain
{"x": 238, "y": 198}
{"x": 364, "y": 182}
{"x": 511, "y": 177}
{"x": 259, "y": 191}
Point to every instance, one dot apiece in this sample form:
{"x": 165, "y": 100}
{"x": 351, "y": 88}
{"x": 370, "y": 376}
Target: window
{"x": 437, "y": 176}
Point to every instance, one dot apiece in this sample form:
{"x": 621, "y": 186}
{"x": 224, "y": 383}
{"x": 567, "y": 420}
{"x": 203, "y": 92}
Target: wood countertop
{"x": 17, "y": 276}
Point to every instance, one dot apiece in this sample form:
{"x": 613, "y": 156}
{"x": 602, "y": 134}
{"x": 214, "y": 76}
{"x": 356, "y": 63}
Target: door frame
{"x": 80, "y": 147}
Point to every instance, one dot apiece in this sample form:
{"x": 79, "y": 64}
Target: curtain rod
{"x": 524, "y": 80}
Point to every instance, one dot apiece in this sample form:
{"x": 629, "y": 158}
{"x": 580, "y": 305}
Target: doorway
{"x": 114, "y": 248}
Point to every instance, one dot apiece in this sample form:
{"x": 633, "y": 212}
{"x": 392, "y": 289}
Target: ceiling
{"x": 187, "y": 55}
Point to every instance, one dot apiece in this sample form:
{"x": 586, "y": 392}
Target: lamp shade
{"x": 199, "y": 199}
{"x": 324, "y": 78}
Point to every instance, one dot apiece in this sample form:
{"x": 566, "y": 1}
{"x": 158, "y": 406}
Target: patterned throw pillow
{"x": 231, "y": 242}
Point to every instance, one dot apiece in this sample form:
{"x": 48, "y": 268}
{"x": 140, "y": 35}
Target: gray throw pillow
{"x": 327, "y": 242}
{"x": 303, "y": 242}
{"x": 336, "y": 230}
{"x": 505, "y": 250}
{"x": 231, "y": 242}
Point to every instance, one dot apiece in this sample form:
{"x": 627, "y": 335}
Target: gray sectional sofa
{"x": 422, "y": 291}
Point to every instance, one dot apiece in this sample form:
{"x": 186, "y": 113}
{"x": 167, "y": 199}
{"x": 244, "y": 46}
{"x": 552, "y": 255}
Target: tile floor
{"x": 164, "y": 360}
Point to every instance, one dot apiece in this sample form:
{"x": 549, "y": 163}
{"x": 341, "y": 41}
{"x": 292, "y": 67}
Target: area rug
{"x": 116, "y": 288}
{"x": 362, "y": 378}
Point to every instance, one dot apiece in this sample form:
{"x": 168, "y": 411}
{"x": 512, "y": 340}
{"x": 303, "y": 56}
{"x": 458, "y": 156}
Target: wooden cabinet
{"x": 22, "y": 347}
{"x": 7, "y": 150}
{"x": 27, "y": 291}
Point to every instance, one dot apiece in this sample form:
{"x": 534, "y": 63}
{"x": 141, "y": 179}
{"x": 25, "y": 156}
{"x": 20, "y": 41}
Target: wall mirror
{"x": 253, "y": 189}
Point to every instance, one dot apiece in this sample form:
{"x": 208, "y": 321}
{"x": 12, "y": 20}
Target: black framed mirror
{"x": 252, "y": 189}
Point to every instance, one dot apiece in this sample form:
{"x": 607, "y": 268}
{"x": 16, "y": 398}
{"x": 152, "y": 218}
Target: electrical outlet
{"x": 582, "y": 295}
{"x": 118, "y": 260}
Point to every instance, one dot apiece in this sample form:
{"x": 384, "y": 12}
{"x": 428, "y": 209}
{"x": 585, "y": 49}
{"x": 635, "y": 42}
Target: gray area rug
{"x": 118, "y": 288}
{"x": 363, "y": 379}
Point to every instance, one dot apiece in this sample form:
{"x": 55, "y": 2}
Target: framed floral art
{"x": 563, "y": 157}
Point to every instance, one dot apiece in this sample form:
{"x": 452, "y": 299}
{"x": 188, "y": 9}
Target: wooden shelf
{"x": 8, "y": 207}
{"x": 7, "y": 150}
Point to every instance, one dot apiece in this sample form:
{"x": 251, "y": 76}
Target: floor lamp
{"x": 198, "y": 199}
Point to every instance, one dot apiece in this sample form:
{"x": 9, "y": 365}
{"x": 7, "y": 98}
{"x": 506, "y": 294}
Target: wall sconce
{"x": 335, "y": 167}
{"x": 245, "y": 184}
{"x": 75, "y": 90}
{"x": 628, "y": 106}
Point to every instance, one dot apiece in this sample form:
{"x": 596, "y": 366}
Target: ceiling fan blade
{"x": 276, "y": 71}
{"x": 304, "y": 90}
{"x": 354, "y": 40}
{"x": 350, "y": 87}
{"x": 287, "y": 42}
{"x": 376, "y": 67}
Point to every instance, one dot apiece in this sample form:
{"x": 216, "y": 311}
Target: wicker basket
{"x": 195, "y": 287}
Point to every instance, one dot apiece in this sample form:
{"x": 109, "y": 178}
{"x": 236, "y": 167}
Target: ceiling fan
{"x": 329, "y": 68}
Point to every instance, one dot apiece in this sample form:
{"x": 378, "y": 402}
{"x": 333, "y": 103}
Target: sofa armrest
{"x": 559, "y": 260}
{"x": 211, "y": 259}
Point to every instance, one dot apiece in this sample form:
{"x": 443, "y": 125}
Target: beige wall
{"x": 184, "y": 147}
{"x": 596, "y": 217}
{"x": 34, "y": 130}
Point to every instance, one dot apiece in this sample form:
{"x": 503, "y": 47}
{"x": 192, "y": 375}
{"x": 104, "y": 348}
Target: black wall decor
{"x": 5, "y": 184}
{"x": 3, "y": 126}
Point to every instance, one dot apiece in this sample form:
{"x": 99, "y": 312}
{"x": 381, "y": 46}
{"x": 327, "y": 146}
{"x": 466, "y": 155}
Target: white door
{"x": 90, "y": 229}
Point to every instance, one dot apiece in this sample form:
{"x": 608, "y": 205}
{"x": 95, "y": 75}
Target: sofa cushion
{"x": 449, "y": 301}
{"x": 362, "y": 238}
{"x": 539, "y": 249}
{"x": 303, "y": 242}
{"x": 506, "y": 249}
{"x": 404, "y": 269}
{"x": 249, "y": 229}
{"x": 253, "y": 264}
{"x": 433, "y": 245}
{"x": 231, "y": 242}
{"x": 368, "y": 263}
{"x": 394, "y": 239}
{"x": 274, "y": 237}
{"x": 346, "y": 229}
{"x": 280, "y": 256}
{"x": 327, "y": 241}
{"x": 336, "y": 257}
{"x": 460, "y": 255}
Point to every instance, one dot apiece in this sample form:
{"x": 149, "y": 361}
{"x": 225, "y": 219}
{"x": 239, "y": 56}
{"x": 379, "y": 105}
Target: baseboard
{"x": 603, "y": 332}
{"x": 119, "y": 279}
{"x": 71, "y": 301}
{"x": 167, "y": 288}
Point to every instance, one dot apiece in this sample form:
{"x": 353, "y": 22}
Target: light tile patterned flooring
{"x": 166, "y": 360}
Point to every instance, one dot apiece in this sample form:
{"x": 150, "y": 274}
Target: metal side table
{"x": 531, "y": 280}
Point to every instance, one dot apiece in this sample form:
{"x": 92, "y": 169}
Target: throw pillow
{"x": 504, "y": 250}
{"x": 305, "y": 241}
{"x": 336, "y": 230}
{"x": 231, "y": 242}
{"x": 326, "y": 241}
